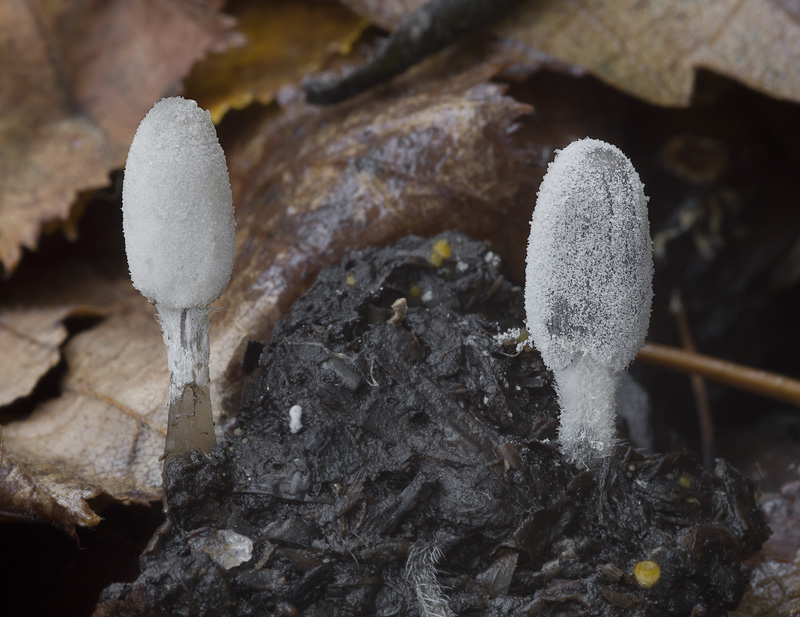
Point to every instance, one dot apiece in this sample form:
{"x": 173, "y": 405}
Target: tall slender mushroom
{"x": 588, "y": 286}
{"x": 179, "y": 229}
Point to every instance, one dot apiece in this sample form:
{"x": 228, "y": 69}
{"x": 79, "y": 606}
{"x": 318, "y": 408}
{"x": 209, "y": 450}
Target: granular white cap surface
{"x": 588, "y": 284}
{"x": 177, "y": 207}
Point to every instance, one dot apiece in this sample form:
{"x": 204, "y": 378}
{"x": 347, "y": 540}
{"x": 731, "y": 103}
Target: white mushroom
{"x": 179, "y": 229}
{"x": 588, "y": 286}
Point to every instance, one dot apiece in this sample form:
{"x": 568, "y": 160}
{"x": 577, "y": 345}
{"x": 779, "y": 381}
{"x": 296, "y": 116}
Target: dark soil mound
{"x": 421, "y": 435}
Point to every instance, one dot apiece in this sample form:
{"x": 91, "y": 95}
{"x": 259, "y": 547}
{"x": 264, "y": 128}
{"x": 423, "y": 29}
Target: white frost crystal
{"x": 179, "y": 231}
{"x": 588, "y": 286}
{"x": 177, "y": 207}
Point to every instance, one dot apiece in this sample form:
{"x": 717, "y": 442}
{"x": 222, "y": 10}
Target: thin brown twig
{"x": 704, "y": 417}
{"x": 771, "y": 385}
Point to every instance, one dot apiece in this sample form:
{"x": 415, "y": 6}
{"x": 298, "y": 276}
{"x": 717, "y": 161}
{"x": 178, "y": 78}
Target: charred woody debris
{"x": 416, "y": 433}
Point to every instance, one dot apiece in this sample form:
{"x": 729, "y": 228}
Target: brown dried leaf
{"x": 774, "y": 586}
{"x": 31, "y": 341}
{"x": 107, "y": 423}
{"x": 652, "y": 49}
{"x": 310, "y": 185}
{"x": 77, "y": 78}
{"x": 285, "y": 40}
{"x": 31, "y": 490}
{"x": 88, "y": 441}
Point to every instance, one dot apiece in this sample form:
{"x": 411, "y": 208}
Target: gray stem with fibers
{"x": 191, "y": 424}
{"x": 587, "y": 394}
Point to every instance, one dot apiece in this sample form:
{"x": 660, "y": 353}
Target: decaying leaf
{"x": 652, "y": 49}
{"x": 430, "y": 153}
{"x": 38, "y": 132}
{"x": 77, "y": 77}
{"x": 774, "y": 587}
{"x": 285, "y": 40}
{"x": 88, "y": 441}
{"x": 31, "y": 339}
{"x": 108, "y": 421}
{"x": 31, "y": 490}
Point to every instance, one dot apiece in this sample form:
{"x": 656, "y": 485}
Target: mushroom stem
{"x": 191, "y": 424}
{"x": 590, "y": 428}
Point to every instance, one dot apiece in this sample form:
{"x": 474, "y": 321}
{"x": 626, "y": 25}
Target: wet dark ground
{"x": 420, "y": 430}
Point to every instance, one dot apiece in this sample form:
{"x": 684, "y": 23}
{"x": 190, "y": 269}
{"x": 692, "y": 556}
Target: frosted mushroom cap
{"x": 177, "y": 207}
{"x": 588, "y": 283}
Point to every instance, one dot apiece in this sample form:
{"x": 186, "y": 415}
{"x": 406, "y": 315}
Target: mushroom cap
{"x": 177, "y": 207}
{"x": 588, "y": 283}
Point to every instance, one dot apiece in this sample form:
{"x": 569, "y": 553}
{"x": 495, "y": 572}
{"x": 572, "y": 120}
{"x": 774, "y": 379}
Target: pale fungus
{"x": 588, "y": 286}
{"x": 178, "y": 222}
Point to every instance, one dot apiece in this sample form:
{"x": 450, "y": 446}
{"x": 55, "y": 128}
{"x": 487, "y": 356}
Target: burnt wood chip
{"x": 430, "y": 430}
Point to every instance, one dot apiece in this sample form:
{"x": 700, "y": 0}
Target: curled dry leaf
{"x": 32, "y": 490}
{"x": 652, "y": 49}
{"x": 430, "y": 153}
{"x": 429, "y": 29}
{"x": 285, "y": 40}
{"x": 774, "y": 586}
{"x": 107, "y": 422}
{"x": 31, "y": 341}
{"x": 105, "y": 432}
{"x": 77, "y": 77}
